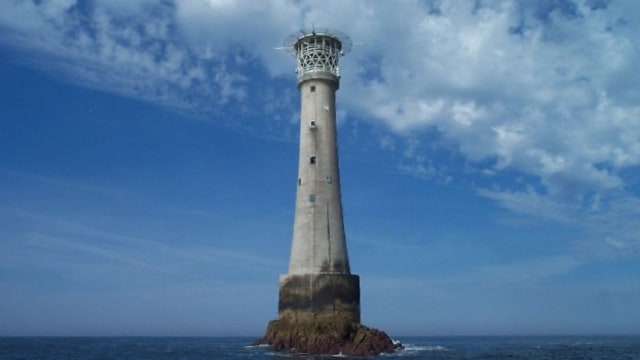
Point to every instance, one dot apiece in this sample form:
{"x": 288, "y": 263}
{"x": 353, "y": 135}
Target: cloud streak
{"x": 62, "y": 244}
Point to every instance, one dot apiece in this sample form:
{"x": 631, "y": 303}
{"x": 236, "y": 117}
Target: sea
{"x": 239, "y": 348}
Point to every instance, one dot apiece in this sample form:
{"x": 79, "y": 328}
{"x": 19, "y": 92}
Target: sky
{"x": 489, "y": 157}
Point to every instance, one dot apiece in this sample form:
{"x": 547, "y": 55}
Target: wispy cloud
{"x": 609, "y": 223}
{"x": 482, "y": 279}
{"x": 83, "y": 249}
{"x": 77, "y": 242}
{"x": 59, "y": 182}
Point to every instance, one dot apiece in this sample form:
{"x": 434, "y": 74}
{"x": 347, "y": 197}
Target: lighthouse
{"x": 319, "y": 279}
{"x": 319, "y": 298}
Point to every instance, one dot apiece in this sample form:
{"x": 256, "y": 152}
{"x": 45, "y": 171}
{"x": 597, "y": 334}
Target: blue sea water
{"x": 159, "y": 348}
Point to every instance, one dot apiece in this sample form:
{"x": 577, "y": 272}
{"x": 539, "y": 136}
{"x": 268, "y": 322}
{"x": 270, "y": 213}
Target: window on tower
{"x": 312, "y": 88}
{"x": 312, "y": 160}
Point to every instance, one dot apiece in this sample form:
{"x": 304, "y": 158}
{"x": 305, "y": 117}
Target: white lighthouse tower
{"x": 319, "y": 299}
{"x": 319, "y": 279}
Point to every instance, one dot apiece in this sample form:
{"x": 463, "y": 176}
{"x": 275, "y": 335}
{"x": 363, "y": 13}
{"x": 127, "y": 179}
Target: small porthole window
{"x": 312, "y": 88}
{"x": 312, "y": 160}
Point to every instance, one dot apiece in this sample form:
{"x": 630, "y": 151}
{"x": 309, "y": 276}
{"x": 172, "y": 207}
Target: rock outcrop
{"x": 326, "y": 334}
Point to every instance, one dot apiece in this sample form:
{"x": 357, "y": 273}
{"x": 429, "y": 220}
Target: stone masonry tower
{"x": 319, "y": 301}
{"x": 319, "y": 279}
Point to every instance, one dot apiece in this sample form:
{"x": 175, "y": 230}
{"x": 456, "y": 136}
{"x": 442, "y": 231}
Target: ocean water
{"x": 158, "y": 348}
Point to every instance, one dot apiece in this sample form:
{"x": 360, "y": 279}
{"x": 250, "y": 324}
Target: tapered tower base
{"x": 320, "y": 294}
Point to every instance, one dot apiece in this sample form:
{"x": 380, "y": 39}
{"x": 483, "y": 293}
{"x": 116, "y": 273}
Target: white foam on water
{"x": 418, "y": 348}
{"x": 280, "y": 354}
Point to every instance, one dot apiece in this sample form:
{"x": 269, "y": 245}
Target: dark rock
{"x": 326, "y": 335}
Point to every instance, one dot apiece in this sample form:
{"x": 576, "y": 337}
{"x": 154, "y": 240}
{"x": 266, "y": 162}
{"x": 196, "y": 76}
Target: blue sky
{"x": 489, "y": 153}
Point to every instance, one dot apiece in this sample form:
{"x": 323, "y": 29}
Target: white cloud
{"x": 122, "y": 47}
{"x": 548, "y": 90}
{"x": 532, "y": 203}
{"x": 467, "y": 73}
{"x": 514, "y": 89}
{"x": 250, "y": 27}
